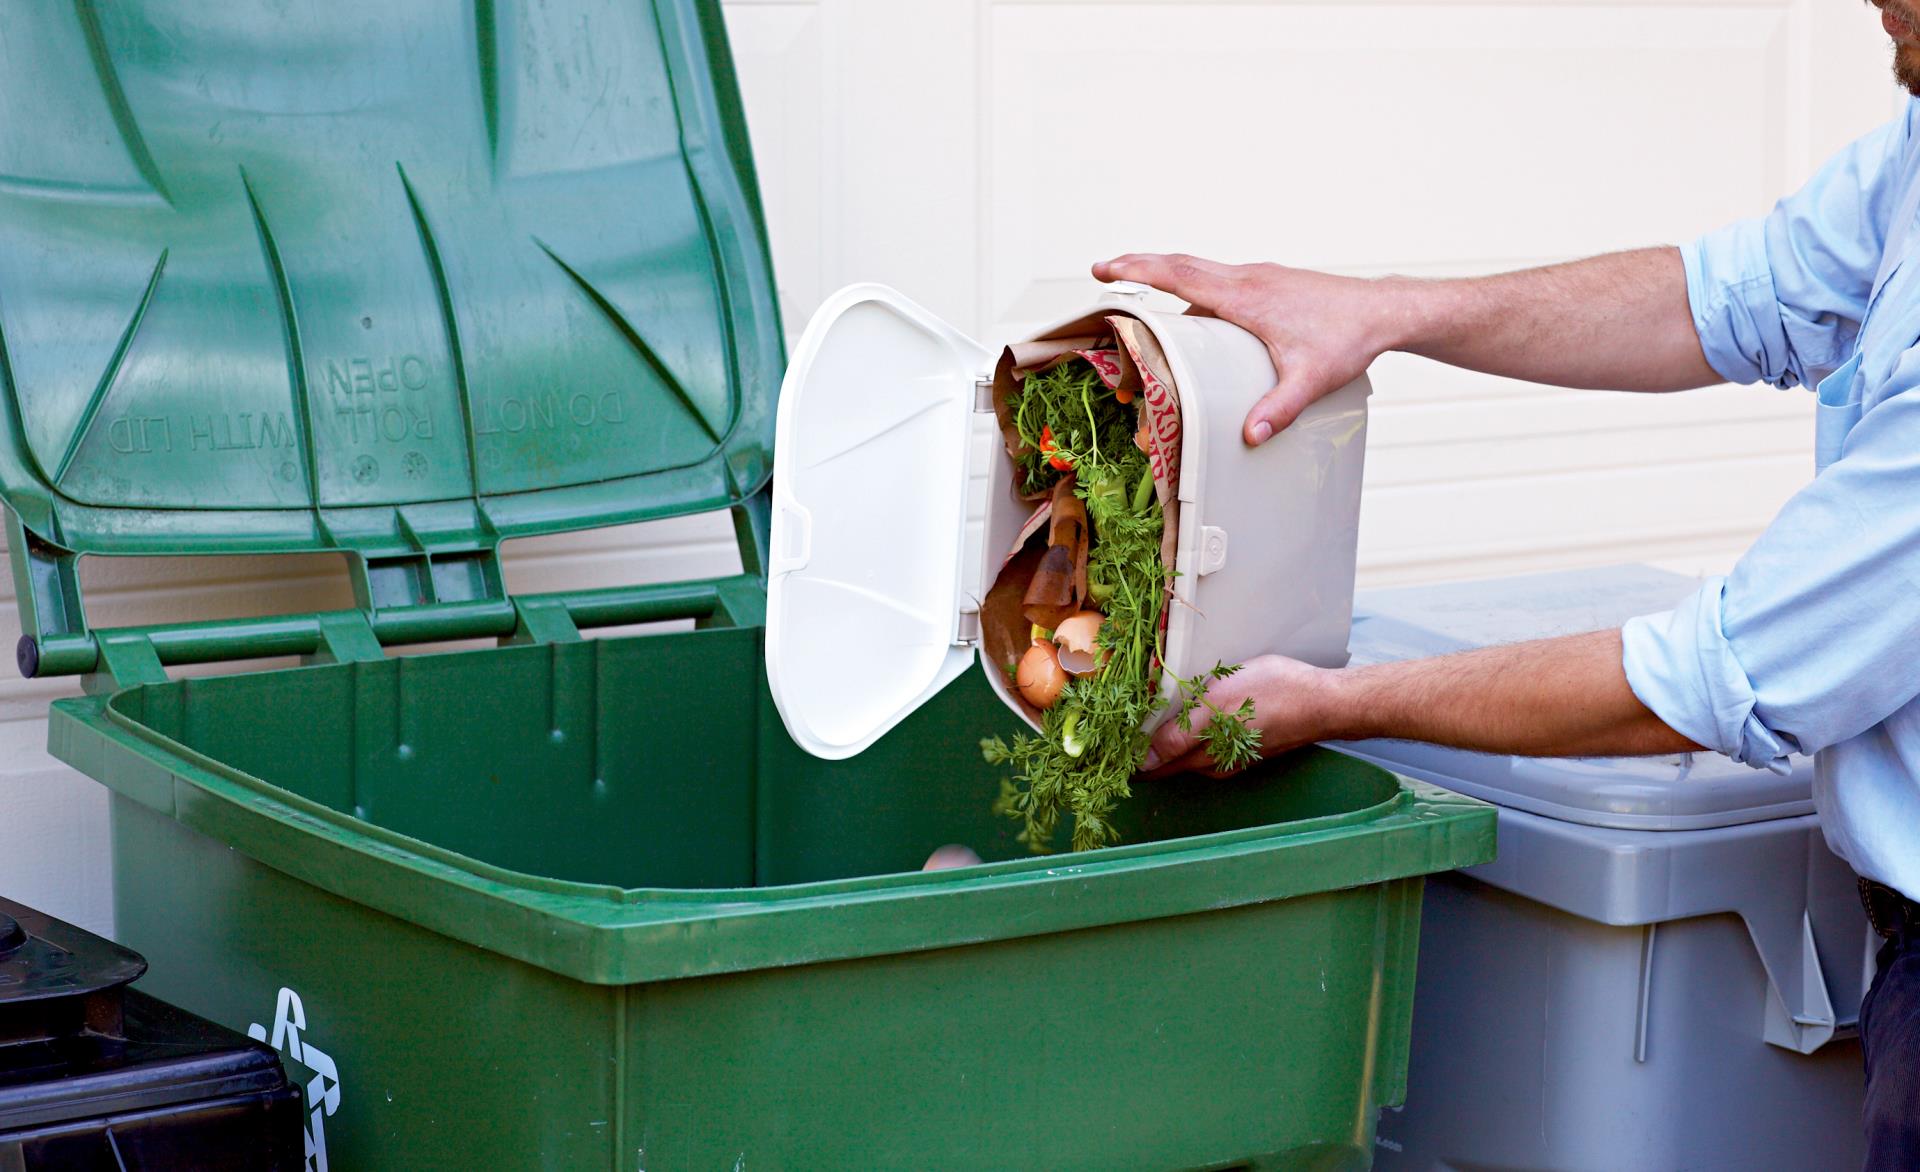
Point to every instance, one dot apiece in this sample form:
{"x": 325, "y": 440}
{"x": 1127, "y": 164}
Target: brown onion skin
{"x": 1050, "y": 595}
{"x": 1040, "y": 677}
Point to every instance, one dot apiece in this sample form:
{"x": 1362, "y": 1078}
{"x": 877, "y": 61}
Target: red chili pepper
{"x": 1047, "y": 449}
{"x": 1124, "y": 394}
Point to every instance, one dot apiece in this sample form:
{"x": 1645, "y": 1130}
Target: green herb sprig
{"x": 1231, "y": 740}
{"x": 1087, "y": 423}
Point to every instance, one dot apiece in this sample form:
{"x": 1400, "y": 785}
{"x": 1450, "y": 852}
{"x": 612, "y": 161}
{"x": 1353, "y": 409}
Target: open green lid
{"x": 375, "y": 276}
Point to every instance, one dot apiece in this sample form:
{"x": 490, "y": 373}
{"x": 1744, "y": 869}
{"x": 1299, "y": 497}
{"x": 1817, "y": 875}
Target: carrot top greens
{"x": 1092, "y": 741}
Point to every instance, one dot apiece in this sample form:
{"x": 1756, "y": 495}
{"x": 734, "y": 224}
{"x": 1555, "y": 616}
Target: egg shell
{"x": 1077, "y": 637}
{"x": 1040, "y": 676}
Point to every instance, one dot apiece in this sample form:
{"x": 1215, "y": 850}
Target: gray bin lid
{"x": 1683, "y": 791}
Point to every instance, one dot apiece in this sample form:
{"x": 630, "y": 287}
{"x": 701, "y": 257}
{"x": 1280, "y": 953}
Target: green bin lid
{"x": 369, "y": 275}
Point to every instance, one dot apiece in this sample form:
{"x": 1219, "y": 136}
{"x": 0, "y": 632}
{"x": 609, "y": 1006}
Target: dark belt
{"x": 1891, "y": 913}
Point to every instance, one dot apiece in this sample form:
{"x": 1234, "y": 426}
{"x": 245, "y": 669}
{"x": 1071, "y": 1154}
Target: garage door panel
{"x": 1368, "y": 134}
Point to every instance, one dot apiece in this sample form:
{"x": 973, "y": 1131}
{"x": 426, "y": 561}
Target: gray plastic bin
{"x": 1662, "y": 969}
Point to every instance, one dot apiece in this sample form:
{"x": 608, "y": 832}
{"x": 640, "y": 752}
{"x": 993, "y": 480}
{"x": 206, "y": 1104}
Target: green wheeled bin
{"x": 400, "y": 281}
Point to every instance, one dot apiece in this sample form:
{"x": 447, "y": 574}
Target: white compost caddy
{"x": 894, "y": 508}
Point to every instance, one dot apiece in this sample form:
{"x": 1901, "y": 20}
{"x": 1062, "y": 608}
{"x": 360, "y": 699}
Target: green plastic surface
{"x": 386, "y": 277}
{"x": 584, "y": 905}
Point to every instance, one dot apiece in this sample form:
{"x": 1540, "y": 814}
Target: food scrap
{"x": 952, "y": 855}
{"x": 1091, "y": 607}
{"x": 1040, "y": 677}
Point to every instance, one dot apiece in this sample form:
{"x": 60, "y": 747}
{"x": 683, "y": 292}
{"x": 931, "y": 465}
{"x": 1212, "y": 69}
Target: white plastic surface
{"x": 893, "y": 511}
{"x": 871, "y": 527}
{"x": 1268, "y": 535}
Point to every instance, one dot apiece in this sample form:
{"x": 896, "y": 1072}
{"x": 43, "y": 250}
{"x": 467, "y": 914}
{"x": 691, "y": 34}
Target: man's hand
{"x": 1566, "y": 697}
{"x": 1614, "y": 322}
{"x": 1288, "y": 710}
{"x": 1321, "y": 331}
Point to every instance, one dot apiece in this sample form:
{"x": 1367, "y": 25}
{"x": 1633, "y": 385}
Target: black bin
{"x": 94, "y": 1075}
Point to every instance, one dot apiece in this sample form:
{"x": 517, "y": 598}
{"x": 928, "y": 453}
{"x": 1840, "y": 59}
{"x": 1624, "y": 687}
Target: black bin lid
{"x": 77, "y": 1044}
{"x": 48, "y": 967}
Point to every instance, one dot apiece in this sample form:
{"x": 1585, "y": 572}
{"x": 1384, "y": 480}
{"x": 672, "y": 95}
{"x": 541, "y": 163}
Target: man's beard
{"x": 1906, "y": 58}
{"x": 1906, "y": 68}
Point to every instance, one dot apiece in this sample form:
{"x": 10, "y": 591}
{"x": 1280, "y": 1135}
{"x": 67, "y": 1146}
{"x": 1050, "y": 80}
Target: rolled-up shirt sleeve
{"x": 1815, "y": 635}
{"x": 1779, "y": 299}
{"x": 1682, "y": 666}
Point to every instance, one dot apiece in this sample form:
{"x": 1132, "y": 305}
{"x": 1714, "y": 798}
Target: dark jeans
{"x": 1890, "y": 1039}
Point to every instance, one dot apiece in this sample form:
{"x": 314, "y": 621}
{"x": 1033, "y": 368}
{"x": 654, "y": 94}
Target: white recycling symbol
{"x": 323, "y": 1090}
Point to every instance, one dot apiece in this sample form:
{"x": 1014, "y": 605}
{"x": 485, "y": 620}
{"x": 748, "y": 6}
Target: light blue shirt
{"x": 1812, "y": 643}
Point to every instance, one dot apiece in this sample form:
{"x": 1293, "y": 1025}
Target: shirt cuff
{"x": 1735, "y": 313}
{"x": 1681, "y": 666}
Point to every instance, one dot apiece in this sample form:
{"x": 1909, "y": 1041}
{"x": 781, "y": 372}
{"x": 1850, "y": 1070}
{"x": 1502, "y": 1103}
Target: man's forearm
{"x": 1618, "y": 322}
{"x": 1551, "y": 698}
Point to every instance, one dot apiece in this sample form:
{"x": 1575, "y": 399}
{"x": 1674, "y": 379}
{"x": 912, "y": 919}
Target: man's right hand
{"x": 1321, "y": 331}
{"x": 1617, "y": 322}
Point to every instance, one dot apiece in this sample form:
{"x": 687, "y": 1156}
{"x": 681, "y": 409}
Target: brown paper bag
{"x": 1160, "y": 408}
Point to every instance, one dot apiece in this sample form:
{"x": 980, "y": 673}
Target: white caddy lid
{"x": 879, "y": 504}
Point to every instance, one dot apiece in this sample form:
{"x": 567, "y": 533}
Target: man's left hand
{"x": 1565, "y": 697}
{"x": 1287, "y": 710}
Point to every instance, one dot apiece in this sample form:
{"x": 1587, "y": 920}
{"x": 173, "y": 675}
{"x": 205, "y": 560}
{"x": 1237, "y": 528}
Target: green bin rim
{"x": 614, "y": 936}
